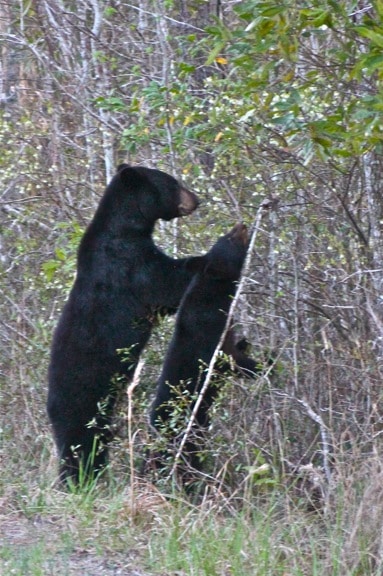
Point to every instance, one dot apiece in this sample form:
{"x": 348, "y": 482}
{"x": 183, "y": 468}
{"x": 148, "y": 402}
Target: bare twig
{"x": 324, "y": 436}
{"x": 155, "y": 15}
{"x": 134, "y": 383}
{"x": 377, "y": 321}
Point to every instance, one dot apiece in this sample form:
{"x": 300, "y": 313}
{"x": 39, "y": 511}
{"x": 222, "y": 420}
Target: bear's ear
{"x": 196, "y": 264}
{"x": 130, "y": 176}
{"x": 122, "y": 167}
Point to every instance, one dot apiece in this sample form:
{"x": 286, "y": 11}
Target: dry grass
{"x": 271, "y": 529}
{"x": 292, "y": 486}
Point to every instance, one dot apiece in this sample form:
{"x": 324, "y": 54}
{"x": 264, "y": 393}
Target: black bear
{"x": 123, "y": 281}
{"x": 199, "y": 326}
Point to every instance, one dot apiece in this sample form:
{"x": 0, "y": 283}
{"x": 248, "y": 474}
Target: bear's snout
{"x": 239, "y": 233}
{"x": 188, "y": 202}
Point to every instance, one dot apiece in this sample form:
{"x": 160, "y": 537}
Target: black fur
{"x": 123, "y": 281}
{"x": 199, "y": 325}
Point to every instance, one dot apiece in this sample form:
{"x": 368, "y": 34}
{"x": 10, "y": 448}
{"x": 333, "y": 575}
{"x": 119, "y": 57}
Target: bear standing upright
{"x": 200, "y": 322}
{"x": 123, "y": 281}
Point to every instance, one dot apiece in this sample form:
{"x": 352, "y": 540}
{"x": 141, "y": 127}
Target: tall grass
{"x": 106, "y": 529}
{"x": 260, "y": 513}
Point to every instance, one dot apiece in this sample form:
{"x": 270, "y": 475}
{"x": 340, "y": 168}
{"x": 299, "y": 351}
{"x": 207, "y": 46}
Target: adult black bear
{"x": 123, "y": 281}
{"x": 199, "y": 325}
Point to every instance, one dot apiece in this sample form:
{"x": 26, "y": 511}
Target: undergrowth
{"x": 96, "y": 531}
{"x": 292, "y": 481}
{"x": 273, "y": 521}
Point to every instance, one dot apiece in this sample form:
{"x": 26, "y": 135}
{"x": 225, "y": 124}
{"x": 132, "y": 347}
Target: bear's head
{"x": 157, "y": 195}
{"x": 225, "y": 259}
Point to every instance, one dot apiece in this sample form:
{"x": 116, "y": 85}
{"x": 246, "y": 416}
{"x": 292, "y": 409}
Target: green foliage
{"x": 264, "y": 100}
{"x": 62, "y": 267}
{"x": 267, "y": 90}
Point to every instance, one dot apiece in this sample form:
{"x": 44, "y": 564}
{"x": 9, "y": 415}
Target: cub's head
{"x": 225, "y": 259}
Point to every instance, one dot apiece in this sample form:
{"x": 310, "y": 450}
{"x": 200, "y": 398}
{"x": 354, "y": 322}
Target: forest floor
{"x": 259, "y": 521}
{"x": 69, "y": 534}
{"x": 111, "y": 531}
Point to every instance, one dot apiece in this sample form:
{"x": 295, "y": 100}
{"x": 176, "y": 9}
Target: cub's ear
{"x": 196, "y": 264}
{"x": 243, "y": 346}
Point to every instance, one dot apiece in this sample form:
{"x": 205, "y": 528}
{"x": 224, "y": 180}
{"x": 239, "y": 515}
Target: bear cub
{"x": 200, "y": 321}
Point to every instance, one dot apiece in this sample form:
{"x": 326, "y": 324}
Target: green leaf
{"x": 214, "y": 53}
{"x": 60, "y": 254}
{"x": 49, "y": 269}
{"x": 316, "y": 17}
{"x": 112, "y": 103}
{"x": 269, "y": 10}
{"x": 375, "y": 37}
{"x": 368, "y": 63}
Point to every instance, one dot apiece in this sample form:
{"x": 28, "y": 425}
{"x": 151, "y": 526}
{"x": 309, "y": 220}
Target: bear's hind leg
{"x": 83, "y": 455}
